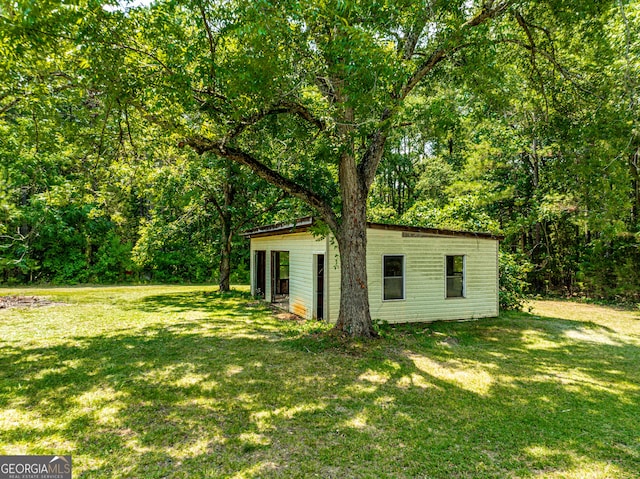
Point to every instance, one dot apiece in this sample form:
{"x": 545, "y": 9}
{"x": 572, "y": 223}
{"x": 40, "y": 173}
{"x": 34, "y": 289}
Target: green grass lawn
{"x": 181, "y": 382}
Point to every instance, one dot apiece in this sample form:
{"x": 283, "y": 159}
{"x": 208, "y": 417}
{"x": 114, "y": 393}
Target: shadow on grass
{"x": 197, "y": 301}
{"x": 238, "y": 392}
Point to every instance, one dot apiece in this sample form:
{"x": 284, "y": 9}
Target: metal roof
{"x": 297, "y": 226}
{"x": 303, "y": 224}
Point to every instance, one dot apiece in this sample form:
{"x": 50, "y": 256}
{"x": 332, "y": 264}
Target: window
{"x": 455, "y": 276}
{"x": 283, "y": 257}
{"x": 279, "y": 275}
{"x": 392, "y": 277}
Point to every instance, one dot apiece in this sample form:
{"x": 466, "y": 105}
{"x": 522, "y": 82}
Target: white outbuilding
{"x": 414, "y": 274}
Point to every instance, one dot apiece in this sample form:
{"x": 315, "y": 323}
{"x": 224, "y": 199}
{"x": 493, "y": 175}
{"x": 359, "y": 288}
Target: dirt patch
{"x": 284, "y": 315}
{"x": 7, "y": 302}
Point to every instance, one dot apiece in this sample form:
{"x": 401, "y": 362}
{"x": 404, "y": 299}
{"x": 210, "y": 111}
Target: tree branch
{"x": 213, "y": 44}
{"x": 407, "y": 45}
{"x": 488, "y": 12}
{"x": 155, "y": 119}
{"x": 129, "y": 134}
{"x": 21, "y": 95}
{"x": 371, "y": 158}
{"x": 146, "y": 54}
{"x": 104, "y": 126}
{"x": 201, "y": 145}
{"x": 284, "y": 107}
{"x": 212, "y": 199}
{"x": 10, "y": 105}
{"x": 525, "y": 26}
{"x": 527, "y": 31}
{"x": 326, "y": 88}
{"x": 550, "y": 57}
{"x": 428, "y": 65}
{"x": 271, "y": 207}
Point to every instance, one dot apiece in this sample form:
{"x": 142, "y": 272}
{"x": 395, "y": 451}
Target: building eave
{"x": 434, "y": 231}
{"x": 297, "y": 226}
{"x": 301, "y": 225}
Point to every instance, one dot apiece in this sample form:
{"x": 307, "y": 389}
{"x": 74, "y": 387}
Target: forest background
{"x": 536, "y": 138}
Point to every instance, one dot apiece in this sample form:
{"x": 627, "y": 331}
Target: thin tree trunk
{"x": 226, "y": 235}
{"x": 634, "y": 165}
{"x": 225, "y": 255}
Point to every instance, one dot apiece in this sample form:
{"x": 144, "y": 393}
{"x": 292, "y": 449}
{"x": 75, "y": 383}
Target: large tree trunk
{"x": 354, "y": 318}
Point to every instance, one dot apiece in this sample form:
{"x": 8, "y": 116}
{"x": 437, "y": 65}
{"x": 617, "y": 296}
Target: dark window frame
{"x": 385, "y": 277}
{"x": 452, "y": 275}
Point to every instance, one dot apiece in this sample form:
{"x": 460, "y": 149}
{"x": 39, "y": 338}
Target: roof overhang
{"x": 297, "y": 226}
{"x": 301, "y": 225}
{"x": 420, "y": 232}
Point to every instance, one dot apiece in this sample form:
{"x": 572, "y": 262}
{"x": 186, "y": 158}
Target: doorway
{"x": 261, "y": 274}
{"x": 319, "y": 286}
{"x": 280, "y": 278}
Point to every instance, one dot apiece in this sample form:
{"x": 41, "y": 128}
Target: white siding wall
{"x": 301, "y": 248}
{"x": 425, "y": 284}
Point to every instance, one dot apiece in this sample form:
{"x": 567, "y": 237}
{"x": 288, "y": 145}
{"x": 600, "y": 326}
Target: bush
{"x": 112, "y": 261}
{"x": 513, "y": 283}
{"x": 610, "y": 269}
{"x": 241, "y": 274}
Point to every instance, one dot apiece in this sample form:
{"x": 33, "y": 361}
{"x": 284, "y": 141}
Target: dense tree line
{"x": 548, "y": 154}
{"x": 137, "y": 142}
